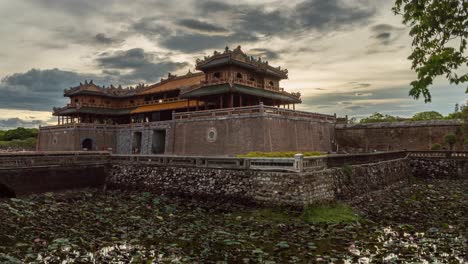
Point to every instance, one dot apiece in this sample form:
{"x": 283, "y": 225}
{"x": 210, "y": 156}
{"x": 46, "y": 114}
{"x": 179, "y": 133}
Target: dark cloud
{"x": 198, "y": 42}
{"x": 363, "y": 94}
{"x": 101, "y": 38}
{"x": 354, "y": 107}
{"x": 37, "y": 89}
{"x": 264, "y": 53}
{"x": 385, "y": 35}
{"x": 151, "y": 27}
{"x": 251, "y": 22}
{"x": 18, "y": 122}
{"x": 333, "y": 14}
{"x": 143, "y": 66}
{"x": 201, "y": 26}
{"x": 42, "y": 89}
{"x": 358, "y": 85}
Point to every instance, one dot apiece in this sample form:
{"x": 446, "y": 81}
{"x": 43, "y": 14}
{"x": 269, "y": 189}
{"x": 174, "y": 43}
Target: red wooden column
{"x": 240, "y": 100}
{"x": 220, "y": 101}
{"x": 197, "y": 104}
{"x": 188, "y": 105}
{"x": 231, "y": 101}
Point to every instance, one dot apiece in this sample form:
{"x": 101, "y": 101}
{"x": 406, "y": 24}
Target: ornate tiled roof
{"x": 237, "y": 56}
{"x": 110, "y": 91}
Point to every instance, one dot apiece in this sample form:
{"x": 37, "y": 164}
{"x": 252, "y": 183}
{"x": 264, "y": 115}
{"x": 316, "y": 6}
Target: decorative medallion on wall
{"x": 211, "y": 134}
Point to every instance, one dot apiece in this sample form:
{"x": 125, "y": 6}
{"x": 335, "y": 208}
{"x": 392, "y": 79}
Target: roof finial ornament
{"x": 226, "y": 50}
{"x": 86, "y": 82}
{"x": 81, "y": 84}
{"x": 238, "y": 47}
{"x": 91, "y": 82}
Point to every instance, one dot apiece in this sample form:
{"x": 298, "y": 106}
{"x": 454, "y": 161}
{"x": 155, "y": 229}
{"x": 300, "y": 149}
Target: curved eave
{"x": 225, "y": 88}
{"x": 98, "y": 94}
{"x": 93, "y": 110}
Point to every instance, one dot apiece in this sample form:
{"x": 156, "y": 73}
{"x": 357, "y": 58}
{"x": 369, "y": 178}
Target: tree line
{"x": 460, "y": 112}
{"x": 18, "y": 138}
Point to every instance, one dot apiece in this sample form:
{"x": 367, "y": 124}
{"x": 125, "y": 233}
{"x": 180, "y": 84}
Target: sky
{"x": 347, "y": 57}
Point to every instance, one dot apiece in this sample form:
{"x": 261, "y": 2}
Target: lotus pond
{"x": 421, "y": 222}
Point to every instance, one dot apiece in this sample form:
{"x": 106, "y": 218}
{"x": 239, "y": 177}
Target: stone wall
{"x": 71, "y": 138}
{"x": 260, "y": 187}
{"x": 212, "y": 136}
{"x": 439, "y": 168}
{"x": 243, "y": 134}
{"x": 397, "y": 135}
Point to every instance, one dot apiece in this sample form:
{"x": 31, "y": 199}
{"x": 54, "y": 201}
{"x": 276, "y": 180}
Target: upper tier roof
{"x": 238, "y": 57}
{"x": 175, "y": 83}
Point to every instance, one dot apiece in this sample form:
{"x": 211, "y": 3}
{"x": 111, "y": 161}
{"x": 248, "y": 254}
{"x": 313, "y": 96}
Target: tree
{"x": 378, "y": 117}
{"x": 20, "y": 133}
{"x": 428, "y": 115}
{"x": 450, "y": 139}
{"x": 439, "y": 29}
{"x": 462, "y": 113}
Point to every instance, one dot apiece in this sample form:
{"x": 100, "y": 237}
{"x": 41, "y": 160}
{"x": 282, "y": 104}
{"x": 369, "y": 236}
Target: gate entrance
{"x": 159, "y": 142}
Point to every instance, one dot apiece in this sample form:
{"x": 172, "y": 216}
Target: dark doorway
{"x": 87, "y": 144}
{"x": 159, "y": 142}
{"x": 136, "y": 142}
{"x": 6, "y": 192}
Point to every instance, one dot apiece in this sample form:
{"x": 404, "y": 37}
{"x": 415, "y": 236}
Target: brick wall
{"x": 397, "y": 136}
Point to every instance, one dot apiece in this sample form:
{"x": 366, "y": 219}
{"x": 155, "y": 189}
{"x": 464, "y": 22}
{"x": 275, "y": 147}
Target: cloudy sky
{"x": 345, "y": 56}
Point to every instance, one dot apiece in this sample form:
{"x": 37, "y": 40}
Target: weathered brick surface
{"x": 397, "y": 135}
{"x": 272, "y": 188}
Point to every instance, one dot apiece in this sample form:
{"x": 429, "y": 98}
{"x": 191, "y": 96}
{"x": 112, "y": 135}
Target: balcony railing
{"x": 249, "y": 110}
{"x": 119, "y": 106}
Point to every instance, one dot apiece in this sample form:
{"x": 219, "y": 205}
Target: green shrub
{"x": 330, "y": 213}
{"x": 450, "y": 139}
{"x": 436, "y": 146}
{"x": 347, "y": 169}
{"x": 287, "y": 154}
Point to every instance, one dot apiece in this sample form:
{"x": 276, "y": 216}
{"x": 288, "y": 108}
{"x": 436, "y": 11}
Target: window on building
{"x": 92, "y": 101}
{"x": 252, "y": 79}
{"x": 77, "y": 101}
{"x": 239, "y": 75}
{"x": 217, "y": 75}
{"x": 271, "y": 83}
{"x": 132, "y": 102}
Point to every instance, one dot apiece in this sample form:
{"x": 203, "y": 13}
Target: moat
{"x": 424, "y": 221}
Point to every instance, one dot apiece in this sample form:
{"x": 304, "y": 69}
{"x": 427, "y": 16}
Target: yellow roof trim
{"x": 165, "y": 106}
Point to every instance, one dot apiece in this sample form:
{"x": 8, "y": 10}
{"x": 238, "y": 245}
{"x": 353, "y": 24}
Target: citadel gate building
{"x": 233, "y": 105}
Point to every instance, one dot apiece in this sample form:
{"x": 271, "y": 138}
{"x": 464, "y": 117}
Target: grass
{"x": 330, "y": 213}
{"x": 285, "y": 154}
